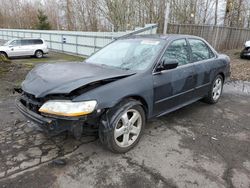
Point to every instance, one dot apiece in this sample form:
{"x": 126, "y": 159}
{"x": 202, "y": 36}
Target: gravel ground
{"x": 240, "y": 68}
{"x": 198, "y": 146}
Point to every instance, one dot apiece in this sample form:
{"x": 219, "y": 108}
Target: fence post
{"x": 50, "y": 42}
{"x": 178, "y": 29}
{"x": 77, "y": 45}
{"x": 62, "y": 41}
{"x": 167, "y": 11}
{"x": 94, "y": 43}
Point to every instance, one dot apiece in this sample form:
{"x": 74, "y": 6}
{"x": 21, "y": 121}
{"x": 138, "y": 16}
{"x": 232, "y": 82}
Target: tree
{"x": 43, "y": 23}
{"x": 69, "y": 14}
{"x": 216, "y": 12}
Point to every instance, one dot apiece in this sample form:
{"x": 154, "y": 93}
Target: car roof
{"x": 163, "y": 37}
{"x": 27, "y": 39}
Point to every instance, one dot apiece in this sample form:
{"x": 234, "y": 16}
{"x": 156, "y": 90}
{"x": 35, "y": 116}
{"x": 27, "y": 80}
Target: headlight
{"x": 68, "y": 108}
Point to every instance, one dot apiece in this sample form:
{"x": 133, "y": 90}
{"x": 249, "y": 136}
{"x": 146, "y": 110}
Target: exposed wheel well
{"x": 223, "y": 76}
{"x": 140, "y": 99}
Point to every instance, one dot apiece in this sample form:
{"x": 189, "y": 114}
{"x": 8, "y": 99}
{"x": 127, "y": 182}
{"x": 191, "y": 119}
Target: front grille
{"x": 30, "y": 102}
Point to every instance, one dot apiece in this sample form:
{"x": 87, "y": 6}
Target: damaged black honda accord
{"x": 116, "y": 90}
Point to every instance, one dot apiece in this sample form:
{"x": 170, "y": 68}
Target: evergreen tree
{"x": 43, "y": 23}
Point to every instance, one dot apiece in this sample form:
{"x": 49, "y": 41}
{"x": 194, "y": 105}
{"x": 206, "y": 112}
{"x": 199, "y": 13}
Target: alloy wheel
{"x": 217, "y": 89}
{"x": 128, "y": 128}
{"x": 39, "y": 54}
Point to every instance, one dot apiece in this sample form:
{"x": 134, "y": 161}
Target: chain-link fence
{"x": 221, "y": 38}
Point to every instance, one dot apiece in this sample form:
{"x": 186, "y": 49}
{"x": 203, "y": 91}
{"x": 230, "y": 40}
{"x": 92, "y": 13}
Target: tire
{"x": 215, "y": 90}
{"x": 39, "y": 54}
{"x": 127, "y": 122}
{"x": 4, "y": 55}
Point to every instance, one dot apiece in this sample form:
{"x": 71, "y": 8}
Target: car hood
{"x": 64, "y": 78}
{"x": 2, "y": 47}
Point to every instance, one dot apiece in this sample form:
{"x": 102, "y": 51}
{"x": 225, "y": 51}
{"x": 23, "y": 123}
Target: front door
{"x": 174, "y": 88}
{"x": 15, "y": 48}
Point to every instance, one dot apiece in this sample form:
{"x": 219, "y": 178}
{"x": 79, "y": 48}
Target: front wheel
{"x": 215, "y": 91}
{"x": 3, "y": 55}
{"x": 126, "y": 127}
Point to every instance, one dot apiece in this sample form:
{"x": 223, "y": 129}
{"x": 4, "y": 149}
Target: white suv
{"x": 24, "y": 47}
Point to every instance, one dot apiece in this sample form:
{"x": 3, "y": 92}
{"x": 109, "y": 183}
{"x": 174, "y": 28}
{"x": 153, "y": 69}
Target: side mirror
{"x": 169, "y": 64}
{"x": 11, "y": 46}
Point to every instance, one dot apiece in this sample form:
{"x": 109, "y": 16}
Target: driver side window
{"x": 178, "y": 50}
{"x": 15, "y": 43}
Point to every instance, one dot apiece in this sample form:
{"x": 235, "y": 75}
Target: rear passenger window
{"x": 26, "y": 42}
{"x": 178, "y": 50}
{"x": 31, "y": 42}
{"x": 38, "y": 41}
{"x": 200, "y": 50}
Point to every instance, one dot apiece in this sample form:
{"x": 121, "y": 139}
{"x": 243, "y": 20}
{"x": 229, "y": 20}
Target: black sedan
{"x": 118, "y": 88}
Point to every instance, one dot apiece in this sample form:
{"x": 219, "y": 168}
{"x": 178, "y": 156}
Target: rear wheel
{"x": 127, "y": 123}
{"x": 39, "y": 54}
{"x": 215, "y": 91}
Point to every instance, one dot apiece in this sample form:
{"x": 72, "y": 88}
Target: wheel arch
{"x": 4, "y": 53}
{"x": 137, "y": 98}
{"x": 38, "y": 50}
{"x": 223, "y": 75}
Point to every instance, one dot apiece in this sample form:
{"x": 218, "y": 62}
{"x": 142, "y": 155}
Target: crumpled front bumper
{"x": 52, "y": 126}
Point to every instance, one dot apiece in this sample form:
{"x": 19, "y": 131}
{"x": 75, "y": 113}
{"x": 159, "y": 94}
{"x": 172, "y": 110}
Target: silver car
{"x": 24, "y": 47}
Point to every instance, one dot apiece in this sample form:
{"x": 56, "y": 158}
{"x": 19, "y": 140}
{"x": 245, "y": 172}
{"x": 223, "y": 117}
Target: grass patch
{"x": 3, "y": 59}
{"x": 51, "y": 58}
{"x": 5, "y": 65}
{"x": 29, "y": 65}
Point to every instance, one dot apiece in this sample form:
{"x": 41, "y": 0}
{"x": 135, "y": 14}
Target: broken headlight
{"x": 68, "y": 108}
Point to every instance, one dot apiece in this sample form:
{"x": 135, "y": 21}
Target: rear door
{"x": 174, "y": 88}
{"x": 203, "y": 60}
{"x": 27, "y": 47}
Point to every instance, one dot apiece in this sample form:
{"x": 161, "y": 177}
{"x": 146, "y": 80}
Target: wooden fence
{"x": 221, "y": 38}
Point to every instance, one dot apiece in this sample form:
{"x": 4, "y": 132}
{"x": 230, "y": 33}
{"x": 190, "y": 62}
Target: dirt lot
{"x": 198, "y": 146}
{"x": 240, "y": 67}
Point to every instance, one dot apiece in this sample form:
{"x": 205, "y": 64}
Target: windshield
{"x": 130, "y": 54}
{"x": 8, "y": 43}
